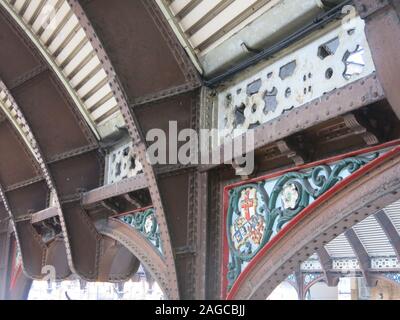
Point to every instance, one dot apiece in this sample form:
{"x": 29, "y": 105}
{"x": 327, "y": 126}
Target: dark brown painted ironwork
{"x": 115, "y": 189}
{"x": 202, "y": 199}
{"x": 126, "y": 266}
{"x": 30, "y": 75}
{"x": 150, "y": 74}
{"x": 20, "y": 201}
{"x": 44, "y": 214}
{"x": 139, "y": 247}
{"x": 56, "y": 256}
{"x": 179, "y": 202}
{"x": 338, "y": 102}
{"x": 56, "y": 253}
{"x": 5, "y": 236}
{"x": 25, "y": 183}
{"x": 214, "y": 238}
{"x": 151, "y": 64}
{"x": 62, "y": 130}
{"x": 157, "y": 82}
{"x": 363, "y": 197}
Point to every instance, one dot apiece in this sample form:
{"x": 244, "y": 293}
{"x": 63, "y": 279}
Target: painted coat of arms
{"x": 247, "y": 229}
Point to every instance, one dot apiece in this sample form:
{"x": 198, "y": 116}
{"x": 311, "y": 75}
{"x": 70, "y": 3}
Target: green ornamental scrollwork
{"x": 258, "y": 211}
{"x": 145, "y": 222}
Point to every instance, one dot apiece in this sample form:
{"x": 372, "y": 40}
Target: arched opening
{"x": 364, "y": 196}
{"x": 359, "y": 264}
{"x": 139, "y": 287}
{"x": 321, "y": 291}
{"x": 285, "y": 291}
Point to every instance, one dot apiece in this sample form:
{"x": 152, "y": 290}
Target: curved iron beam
{"x": 79, "y": 152}
{"x": 382, "y": 27}
{"x": 116, "y": 275}
{"x": 139, "y": 146}
{"x": 33, "y": 244}
{"x": 35, "y": 237}
{"x": 28, "y": 136}
{"x": 8, "y": 8}
{"x": 141, "y": 248}
{"x": 111, "y": 255}
{"x": 364, "y": 261}
{"x": 371, "y": 188}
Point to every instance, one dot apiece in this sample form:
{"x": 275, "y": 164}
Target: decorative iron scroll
{"x": 273, "y": 88}
{"x": 145, "y": 222}
{"x": 258, "y": 211}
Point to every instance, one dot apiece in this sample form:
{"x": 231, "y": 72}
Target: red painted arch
{"x": 337, "y": 188}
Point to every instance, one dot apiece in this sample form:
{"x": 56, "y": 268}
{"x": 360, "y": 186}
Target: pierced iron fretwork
{"x": 145, "y": 222}
{"x": 258, "y": 211}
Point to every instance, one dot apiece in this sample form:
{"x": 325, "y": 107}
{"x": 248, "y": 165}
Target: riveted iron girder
{"x": 53, "y": 251}
{"x": 364, "y": 195}
{"x": 19, "y": 202}
{"x": 139, "y": 147}
{"x": 338, "y": 102}
{"x": 59, "y": 130}
{"x": 382, "y": 28}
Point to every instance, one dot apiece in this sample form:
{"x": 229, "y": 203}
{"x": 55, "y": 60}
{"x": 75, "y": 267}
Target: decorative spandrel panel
{"x": 256, "y": 211}
{"x": 146, "y": 223}
{"x": 331, "y": 59}
{"x": 122, "y": 163}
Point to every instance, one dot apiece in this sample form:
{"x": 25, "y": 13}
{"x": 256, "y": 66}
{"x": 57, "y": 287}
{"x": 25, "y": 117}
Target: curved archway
{"x": 117, "y": 264}
{"x": 46, "y": 46}
{"x": 139, "y": 145}
{"x": 319, "y": 290}
{"x": 140, "y": 248}
{"x": 284, "y": 291}
{"x": 371, "y": 189}
{"x": 55, "y": 252}
{"x": 120, "y": 109}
